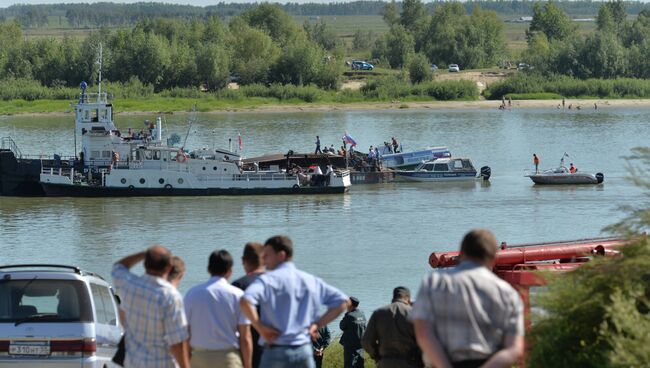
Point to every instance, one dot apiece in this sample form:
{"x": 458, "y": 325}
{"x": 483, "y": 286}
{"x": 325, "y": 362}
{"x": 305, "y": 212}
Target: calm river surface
{"x": 365, "y": 242}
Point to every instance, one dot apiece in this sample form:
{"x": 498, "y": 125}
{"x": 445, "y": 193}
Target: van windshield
{"x": 44, "y": 300}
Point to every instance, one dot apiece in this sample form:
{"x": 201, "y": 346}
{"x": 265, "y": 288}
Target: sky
{"x": 6, "y": 3}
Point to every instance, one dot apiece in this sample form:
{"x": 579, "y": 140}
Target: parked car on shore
{"x": 454, "y": 68}
{"x": 56, "y": 316}
{"x": 362, "y": 65}
{"x": 434, "y": 68}
{"x": 523, "y": 67}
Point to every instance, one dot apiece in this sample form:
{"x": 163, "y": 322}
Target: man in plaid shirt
{"x": 155, "y": 323}
{"x": 467, "y": 317}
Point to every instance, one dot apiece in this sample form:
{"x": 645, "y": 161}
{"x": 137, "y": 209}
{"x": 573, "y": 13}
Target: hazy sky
{"x": 6, "y": 3}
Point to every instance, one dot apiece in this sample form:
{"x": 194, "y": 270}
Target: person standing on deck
{"x": 536, "y": 162}
{"x": 317, "y": 146}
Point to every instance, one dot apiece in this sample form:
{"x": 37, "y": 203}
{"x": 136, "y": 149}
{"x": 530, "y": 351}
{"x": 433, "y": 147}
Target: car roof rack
{"x": 76, "y": 269}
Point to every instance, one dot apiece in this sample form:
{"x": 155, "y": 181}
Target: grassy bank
{"x": 20, "y": 97}
{"x": 532, "y": 87}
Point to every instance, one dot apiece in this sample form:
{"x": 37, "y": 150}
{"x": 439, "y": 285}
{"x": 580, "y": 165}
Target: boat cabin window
{"x": 106, "y": 154}
{"x": 467, "y": 164}
{"x": 428, "y": 167}
{"x": 156, "y": 155}
{"x": 86, "y": 115}
{"x": 441, "y": 167}
{"x": 458, "y": 165}
{"x": 95, "y": 117}
{"x": 95, "y": 154}
{"x": 103, "y": 114}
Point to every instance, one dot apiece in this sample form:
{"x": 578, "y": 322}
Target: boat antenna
{"x": 189, "y": 127}
{"x": 99, "y": 82}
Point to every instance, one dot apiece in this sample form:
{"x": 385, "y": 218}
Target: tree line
{"x": 619, "y": 48}
{"x": 114, "y": 14}
{"x": 262, "y": 45}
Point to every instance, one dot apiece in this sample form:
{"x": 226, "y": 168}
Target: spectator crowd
{"x": 273, "y": 316}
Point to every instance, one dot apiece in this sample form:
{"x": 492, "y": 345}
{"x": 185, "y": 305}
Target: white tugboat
{"x": 139, "y": 164}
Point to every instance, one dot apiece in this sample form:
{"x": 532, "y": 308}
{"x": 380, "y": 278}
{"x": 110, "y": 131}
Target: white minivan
{"x": 56, "y": 316}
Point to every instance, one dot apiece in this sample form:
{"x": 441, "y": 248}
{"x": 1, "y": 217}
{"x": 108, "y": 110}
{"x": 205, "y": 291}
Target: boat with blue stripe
{"x": 409, "y": 160}
{"x": 445, "y": 169}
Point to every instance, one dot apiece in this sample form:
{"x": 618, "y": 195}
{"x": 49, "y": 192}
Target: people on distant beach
{"x": 318, "y": 150}
{"x": 573, "y": 169}
{"x": 595, "y": 106}
{"x": 563, "y": 102}
{"x": 353, "y": 326}
{"x": 536, "y": 163}
{"x": 467, "y": 316}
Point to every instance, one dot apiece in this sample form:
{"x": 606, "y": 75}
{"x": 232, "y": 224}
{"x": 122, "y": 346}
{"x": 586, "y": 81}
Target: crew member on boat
{"x": 572, "y": 169}
{"x": 536, "y": 162}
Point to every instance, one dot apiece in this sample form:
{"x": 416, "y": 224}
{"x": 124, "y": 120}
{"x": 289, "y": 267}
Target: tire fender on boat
{"x": 131, "y": 187}
{"x": 180, "y": 157}
{"x": 600, "y": 177}
{"x": 168, "y": 186}
{"x": 296, "y": 186}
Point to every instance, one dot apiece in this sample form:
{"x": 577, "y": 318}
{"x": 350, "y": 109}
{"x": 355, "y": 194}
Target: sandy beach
{"x": 576, "y": 104}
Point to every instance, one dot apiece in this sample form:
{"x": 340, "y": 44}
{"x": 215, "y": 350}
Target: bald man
{"x": 156, "y": 331}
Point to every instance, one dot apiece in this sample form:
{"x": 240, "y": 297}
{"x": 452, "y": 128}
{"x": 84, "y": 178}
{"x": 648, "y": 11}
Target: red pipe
{"x": 536, "y": 252}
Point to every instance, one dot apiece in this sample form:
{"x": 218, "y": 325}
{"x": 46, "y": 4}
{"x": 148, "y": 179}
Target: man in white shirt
{"x": 220, "y": 335}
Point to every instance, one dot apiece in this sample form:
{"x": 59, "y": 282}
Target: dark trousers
{"x": 475, "y": 363}
{"x": 318, "y": 150}
{"x": 318, "y": 360}
{"x": 352, "y": 358}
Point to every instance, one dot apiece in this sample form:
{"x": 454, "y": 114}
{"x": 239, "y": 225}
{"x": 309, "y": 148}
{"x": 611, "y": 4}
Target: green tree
{"x": 552, "y": 21}
{"x": 419, "y": 69}
{"x": 213, "y": 66}
{"x": 605, "y": 20}
{"x": 322, "y": 34}
{"x": 300, "y": 63}
{"x": 603, "y": 56}
{"x": 272, "y": 19}
{"x": 413, "y": 15}
{"x": 362, "y": 40}
{"x": 399, "y": 46}
{"x": 253, "y": 53}
{"x": 390, "y": 14}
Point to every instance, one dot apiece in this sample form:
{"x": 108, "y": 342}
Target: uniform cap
{"x": 355, "y": 301}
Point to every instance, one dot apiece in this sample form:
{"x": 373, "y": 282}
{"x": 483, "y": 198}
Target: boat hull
{"x": 67, "y": 190}
{"x": 565, "y": 179}
{"x": 431, "y": 177}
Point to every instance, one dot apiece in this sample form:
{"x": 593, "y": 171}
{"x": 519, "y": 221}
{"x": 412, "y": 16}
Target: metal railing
{"x": 8, "y": 143}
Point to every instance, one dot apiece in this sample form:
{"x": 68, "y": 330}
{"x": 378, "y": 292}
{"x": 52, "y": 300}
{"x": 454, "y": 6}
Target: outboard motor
{"x": 486, "y": 172}
{"x": 600, "y": 177}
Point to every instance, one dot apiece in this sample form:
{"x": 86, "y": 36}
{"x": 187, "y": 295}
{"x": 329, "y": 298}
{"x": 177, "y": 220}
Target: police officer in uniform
{"x": 353, "y": 326}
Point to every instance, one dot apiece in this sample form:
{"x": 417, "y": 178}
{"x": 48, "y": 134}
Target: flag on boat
{"x": 349, "y": 140}
{"x": 241, "y": 143}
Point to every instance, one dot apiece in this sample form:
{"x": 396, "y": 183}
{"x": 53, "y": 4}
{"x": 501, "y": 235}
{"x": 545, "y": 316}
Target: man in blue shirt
{"x": 290, "y": 301}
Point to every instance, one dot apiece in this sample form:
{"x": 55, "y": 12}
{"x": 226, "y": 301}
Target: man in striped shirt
{"x": 467, "y": 317}
{"x": 155, "y": 323}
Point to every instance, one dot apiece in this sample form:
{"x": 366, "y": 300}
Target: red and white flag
{"x": 241, "y": 142}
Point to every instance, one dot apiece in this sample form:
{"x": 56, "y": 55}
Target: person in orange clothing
{"x": 536, "y": 162}
{"x": 572, "y": 169}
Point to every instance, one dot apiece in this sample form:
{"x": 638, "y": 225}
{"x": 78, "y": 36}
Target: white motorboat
{"x": 445, "y": 169}
{"x": 562, "y": 175}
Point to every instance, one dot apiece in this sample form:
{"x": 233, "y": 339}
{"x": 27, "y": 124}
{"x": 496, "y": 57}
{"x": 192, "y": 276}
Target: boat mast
{"x": 99, "y": 82}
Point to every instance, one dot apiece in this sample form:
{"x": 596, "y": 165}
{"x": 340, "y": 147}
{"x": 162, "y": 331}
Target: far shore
{"x": 575, "y": 104}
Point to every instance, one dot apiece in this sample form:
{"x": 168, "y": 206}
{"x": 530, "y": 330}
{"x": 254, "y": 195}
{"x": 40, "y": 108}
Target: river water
{"x": 365, "y": 242}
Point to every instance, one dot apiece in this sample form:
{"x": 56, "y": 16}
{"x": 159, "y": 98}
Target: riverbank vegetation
{"x": 233, "y": 52}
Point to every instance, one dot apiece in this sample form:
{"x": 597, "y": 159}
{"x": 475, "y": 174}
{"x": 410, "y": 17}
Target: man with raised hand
{"x": 156, "y": 330}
